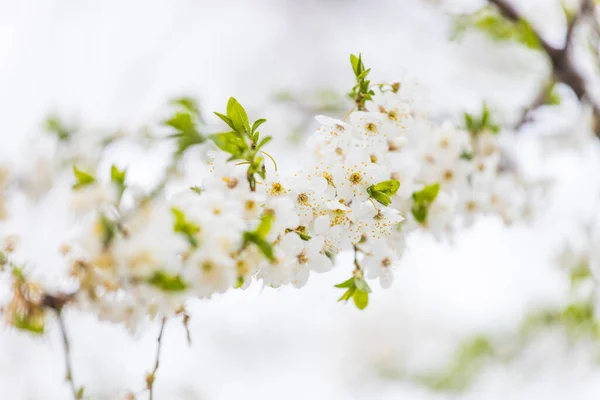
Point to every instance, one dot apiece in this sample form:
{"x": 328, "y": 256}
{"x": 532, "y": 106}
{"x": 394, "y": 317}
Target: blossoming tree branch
{"x": 384, "y": 171}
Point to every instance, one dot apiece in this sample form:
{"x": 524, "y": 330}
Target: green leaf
{"x": 355, "y": 61}
{"x": 362, "y": 285}
{"x": 167, "y": 282}
{"x": 263, "y": 142}
{"x": 345, "y": 284}
{"x": 264, "y": 227}
{"x": 109, "y": 231}
{"x": 258, "y": 123}
{"x": 239, "y": 283}
{"x": 185, "y": 227}
{"x": 361, "y": 299}
{"x": 303, "y": 236}
{"x": 466, "y": 155}
{"x": 389, "y": 187}
{"x": 422, "y": 200}
{"x": 492, "y": 23}
{"x": 380, "y": 197}
{"x": 419, "y": 212}
{"x": 54, "y": 125}
{"x": 118, "y": 178}
{"x": 29, "y": 323}
{"x": 383, "y": 191}
{"x": 427, "y": 194}
{"x": 181, "y": 121}
{"x": 264, "y": 246}
{"x": 229, "y": 142}
{"x": 238, "y": 116}
{"x": 348, "y": 294}
{"x": 226, "y": 119}
{"x": 196, "y": 189}
{"x": 82, "y": 179}
{"x": 551, "y": 97}
{"x": 185, "y": 140}
{"x": 189, "y": 104}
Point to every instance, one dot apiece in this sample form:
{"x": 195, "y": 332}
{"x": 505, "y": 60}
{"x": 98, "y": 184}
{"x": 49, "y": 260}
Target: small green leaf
{"x": 264, "y": 246}
{"x": 551, "y": 97}
{"x": 167, "y": 282}
{"x": 226, "y": 119}
{"x": 362, "y": 285}
{"x": 188, "y": 104}
{"x": 82, "y": 179}
{"x": 258, "y": 123}
{"x": 54, "y": 125}
{"x": 182, "y": 122}
{"x": 239, "y": 283}
{"x": 422, "y": 200}
{"x": 348, "y": 294}
{"x": 466, "y": 155}
{"x": 361, "y": 299}
{"x": 29, "y": 323}
{"x": 118, "y": 178}
{"x": 229, "y": 142}
{"x": 303, "y": 236}
{"x": 196, "y": 189}
{"x": 427, "y": 194}
{"x": 419, "y": 212}
{"x": 264, "y": 227}
{"x": 346, "y": 284}
{"x": 389, "y": 187}
{"x": 381, "y": 198}
{"x": 238, "y": 116}
{"x": 355, "y": 61}
{"x": 185, "y": 227}
{"x": 109, "y": 231}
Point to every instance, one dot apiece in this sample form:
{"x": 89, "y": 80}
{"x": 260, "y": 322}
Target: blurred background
{"x": 113, "y": 65}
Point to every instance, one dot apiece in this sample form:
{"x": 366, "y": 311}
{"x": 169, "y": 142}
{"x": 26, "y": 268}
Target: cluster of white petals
{"x": 366, "y": 183}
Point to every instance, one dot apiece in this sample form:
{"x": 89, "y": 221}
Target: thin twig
{"x": 150, "y": 378}
{"x": 66, "y": 347}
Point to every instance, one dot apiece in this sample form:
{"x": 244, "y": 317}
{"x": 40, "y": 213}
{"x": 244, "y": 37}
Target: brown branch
{"x": 150, "y": 378}
{"x": 511, "y": 13}
{"x": 563, "y": 67}
{"x": 77, "y": 393}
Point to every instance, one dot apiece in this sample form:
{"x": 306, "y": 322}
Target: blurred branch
{"x": 150, "y": 378}
{"x": 563, "y": 66}
{"x": 77, "y": 393}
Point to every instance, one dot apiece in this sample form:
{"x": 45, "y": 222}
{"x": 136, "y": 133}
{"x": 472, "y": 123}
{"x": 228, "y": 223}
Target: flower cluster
{"x": 368, "y": 181}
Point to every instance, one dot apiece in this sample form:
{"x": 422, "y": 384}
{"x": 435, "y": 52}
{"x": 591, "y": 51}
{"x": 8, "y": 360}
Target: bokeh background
{"x": 113, "y": 65}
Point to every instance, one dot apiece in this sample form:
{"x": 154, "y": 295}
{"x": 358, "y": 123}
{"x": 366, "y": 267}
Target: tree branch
{"x": 563, "y": 67}
{"x": 150, "y": 378}
{"x": 77, "y": 393}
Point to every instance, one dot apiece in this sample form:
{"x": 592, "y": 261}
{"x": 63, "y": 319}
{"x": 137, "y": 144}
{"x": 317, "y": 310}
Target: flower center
{"x": 471, "y": 206}
{"x": 355, "y": 178}
{"x": 303, "y": 198}
{"x": 302, "y": 259}
{"x": 448, "y": 175}
{"x": 371, "y": 127}
{"x": 276, "y": 189}
{"x": 250, "y": 205}
{"x": 207, "y": 266}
